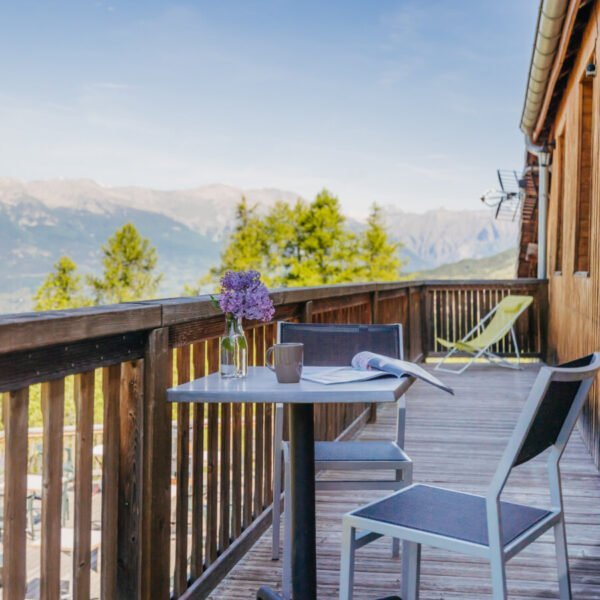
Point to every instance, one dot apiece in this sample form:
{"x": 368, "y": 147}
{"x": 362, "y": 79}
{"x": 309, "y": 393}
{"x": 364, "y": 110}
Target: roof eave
{"x": 549, "y": 33}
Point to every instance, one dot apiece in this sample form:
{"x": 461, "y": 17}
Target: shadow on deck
{"x": 455, "y": 442}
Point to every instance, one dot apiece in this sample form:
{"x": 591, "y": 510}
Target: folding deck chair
{"x": 484, "y": 526}
{"x": 482, "y": 337}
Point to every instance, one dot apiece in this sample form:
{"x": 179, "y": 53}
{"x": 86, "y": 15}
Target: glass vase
{"x": 234, "y": 349}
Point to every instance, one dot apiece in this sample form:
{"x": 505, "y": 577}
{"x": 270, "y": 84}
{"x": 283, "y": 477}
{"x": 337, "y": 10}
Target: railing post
{"x": 415, "y": 321}
{"x": 307, "y": 312}
{"x": 111, "y": 382}
{"x": 372, "y": 418}
{"x": 426, "y": 320}
{"x": 129, "y": 482}
{"x": 16, "y": 410}
{"x": 408, "y": 333}
{"x": 375, "y": 307}
{"x": 53, "y": 407}
{"x": 156, "y": 469}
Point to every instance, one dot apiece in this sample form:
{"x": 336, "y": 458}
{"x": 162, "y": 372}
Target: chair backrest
{"x": 335, "y": 345}
{"x": 549, "y": 415}
{"x": 505, "y": 316}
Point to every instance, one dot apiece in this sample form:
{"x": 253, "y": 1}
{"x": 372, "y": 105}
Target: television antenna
{"x": 507, "y": 199}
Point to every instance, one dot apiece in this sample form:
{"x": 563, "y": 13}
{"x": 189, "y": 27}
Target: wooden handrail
{"x": 221, "y": 454}
{"x": 25, "y": 331}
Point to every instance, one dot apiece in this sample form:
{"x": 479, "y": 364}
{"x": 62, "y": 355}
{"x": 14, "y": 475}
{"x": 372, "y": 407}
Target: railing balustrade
{"x": 178, "y": 494}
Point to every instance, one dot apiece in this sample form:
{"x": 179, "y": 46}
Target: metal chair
{"x": 335, "y": 345}
{"x": 494, "y": 326}
{"x": 483, "y": 526}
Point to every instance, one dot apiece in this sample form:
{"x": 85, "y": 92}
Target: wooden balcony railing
{"x": 179, "y": 493}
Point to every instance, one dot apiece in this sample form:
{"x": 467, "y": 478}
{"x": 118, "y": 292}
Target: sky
{"x": 411, "y": 103}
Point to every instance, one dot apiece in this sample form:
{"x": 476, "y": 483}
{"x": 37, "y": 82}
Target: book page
{"x": 341, "y": 375}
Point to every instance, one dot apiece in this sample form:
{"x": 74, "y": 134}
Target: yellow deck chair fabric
{"x": 503, "y": 319}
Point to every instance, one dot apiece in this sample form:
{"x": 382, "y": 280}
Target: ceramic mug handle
{"x": 268, "y": 359}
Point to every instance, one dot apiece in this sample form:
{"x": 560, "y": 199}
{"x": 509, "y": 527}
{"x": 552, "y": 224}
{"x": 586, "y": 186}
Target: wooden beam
{"x": 15, "y": 406}
{"x": 183, "y": 476}
{"x": 201, "y": 588}
{"x": 186, "y": 333}
{"x": 111, "y": 382}
{"x": 307, "y": 313}
{"x": 56, "y": 362}
{"x": 156, "y": 479}
{"x": 197, "y": 558}
{"x": 130, "y": 474}
{"x": 82, "y": 525}
{"x": 35, "y": 330}
{"x": 328, "y": 304}
{"x": 53, "y": 406}
{"x": 375, "y": 307}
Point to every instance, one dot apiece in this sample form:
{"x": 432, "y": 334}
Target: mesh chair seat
{"x": 379, "y": 451}
{"x": 451, "y": 514}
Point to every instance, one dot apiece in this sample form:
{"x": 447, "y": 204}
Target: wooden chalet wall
{"x": 527, "y": 263}
{"x": 574, "y": 298}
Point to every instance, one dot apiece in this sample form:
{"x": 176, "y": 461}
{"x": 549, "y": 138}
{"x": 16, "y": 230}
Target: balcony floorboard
{"x": 455, "y": 442}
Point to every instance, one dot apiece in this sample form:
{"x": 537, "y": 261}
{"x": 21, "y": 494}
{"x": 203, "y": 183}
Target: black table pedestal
{"x": 302, "y": 462}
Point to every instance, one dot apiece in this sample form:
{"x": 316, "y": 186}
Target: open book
{"x": 368, "y": 365}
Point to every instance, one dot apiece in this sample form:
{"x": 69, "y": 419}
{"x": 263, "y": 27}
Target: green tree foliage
{"x": 129, "y": 263}
{"x": 308, "y": 243}
{"x": 325, "y": 249}
{"x": 61, "y": 289}
{"x": 247, "y": 247}
{"x": 247, "y": 244}
{"x": 380, "y": 258}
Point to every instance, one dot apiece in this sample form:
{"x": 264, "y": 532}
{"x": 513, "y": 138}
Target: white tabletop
{"x": 261, "y": 386}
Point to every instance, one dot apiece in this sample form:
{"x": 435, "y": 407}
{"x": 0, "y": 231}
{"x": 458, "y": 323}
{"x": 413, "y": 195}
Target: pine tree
{"x": 379, "y": 256}
{"x": 129, "y": 263}
{"x": 326, "y": 248}
{"x": 307, "y": 244}
{"x": 245, "y": 250}
{"x": 61, "y": 289}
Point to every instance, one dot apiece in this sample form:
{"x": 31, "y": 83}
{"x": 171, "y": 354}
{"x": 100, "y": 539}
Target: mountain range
{"x": 42, "y": 220}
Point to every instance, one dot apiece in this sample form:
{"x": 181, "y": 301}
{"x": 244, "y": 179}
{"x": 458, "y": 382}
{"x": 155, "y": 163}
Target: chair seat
{"x": 379, "y": 451}
{"x": 451, "y": 514}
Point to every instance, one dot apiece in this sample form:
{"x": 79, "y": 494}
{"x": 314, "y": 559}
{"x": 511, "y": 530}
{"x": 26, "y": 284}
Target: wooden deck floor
{"x": 455, "y": 442}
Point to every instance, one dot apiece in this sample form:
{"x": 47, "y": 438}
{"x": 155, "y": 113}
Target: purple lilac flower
{"x": 243, "y": 295}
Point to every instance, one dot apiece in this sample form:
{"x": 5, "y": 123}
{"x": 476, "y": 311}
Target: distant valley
{"x": 40, "y": 221}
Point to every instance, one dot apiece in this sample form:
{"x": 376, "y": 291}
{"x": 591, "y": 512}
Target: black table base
{"x": 302, "y": 463}
{"x": 266, "y": 593}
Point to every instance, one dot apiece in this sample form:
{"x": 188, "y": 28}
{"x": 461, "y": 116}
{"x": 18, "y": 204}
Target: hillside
{"x": 42, "y": 220}
{"x": 499, "y": 266}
